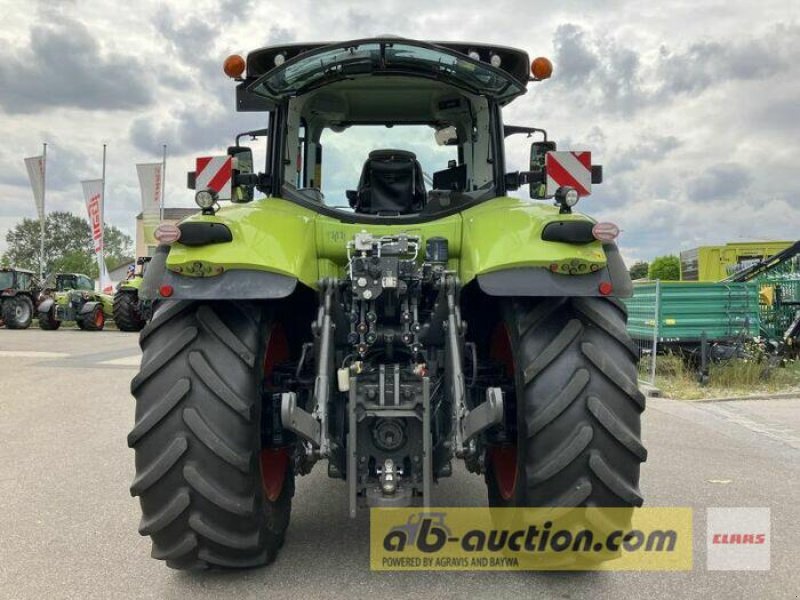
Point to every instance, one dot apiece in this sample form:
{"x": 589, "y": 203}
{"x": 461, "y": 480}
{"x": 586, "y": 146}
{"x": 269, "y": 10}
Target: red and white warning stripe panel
{"x": 571, "y": 169}
{"x": 215, "y": 173}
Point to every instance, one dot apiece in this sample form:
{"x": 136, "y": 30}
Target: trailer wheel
{"x": 18, "y": 312}
{"x": 126, "y": 311}
{"x": 48, "y": 321}
{"x": 578, "y": 411}
{"x": 211, "y": 495}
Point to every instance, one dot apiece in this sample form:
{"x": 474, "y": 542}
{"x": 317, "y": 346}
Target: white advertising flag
{"x": 151, "y": 187}
{"x": 93, "y": 192}
{"x": 151, "y": 184}
{"x": 35, "y": 167}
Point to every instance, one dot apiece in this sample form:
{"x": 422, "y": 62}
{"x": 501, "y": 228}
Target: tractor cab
{"x": 383, "y": 128}
{"x": 14, "y": 280}
{"x": 64, "y": 282}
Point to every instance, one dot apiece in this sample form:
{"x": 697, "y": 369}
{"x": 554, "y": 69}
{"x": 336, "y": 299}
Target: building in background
{"x": 713, "y": 263}
{"x": 145, "y": 244}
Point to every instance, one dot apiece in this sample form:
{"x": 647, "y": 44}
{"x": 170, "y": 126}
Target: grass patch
{"x": 736, "y": 377}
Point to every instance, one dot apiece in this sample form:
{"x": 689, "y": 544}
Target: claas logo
{"x": 96, "y": 221}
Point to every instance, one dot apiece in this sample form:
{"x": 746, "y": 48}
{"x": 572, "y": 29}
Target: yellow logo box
{"x": 531, "y": 539}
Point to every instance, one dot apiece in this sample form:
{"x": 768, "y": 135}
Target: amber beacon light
{"x": 233, "y": 66}
{"x": 541, "y": 68}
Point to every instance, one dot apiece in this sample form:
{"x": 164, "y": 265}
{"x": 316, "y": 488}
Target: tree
{"x": 665, "y": 268}
{"x": 639, "y": 269}
{"x": 119, "y": 247}
{"x": 75, "y": 262}
{"x": 68, "y": 245}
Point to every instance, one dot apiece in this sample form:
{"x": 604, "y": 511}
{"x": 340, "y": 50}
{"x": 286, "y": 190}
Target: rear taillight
{"x": 605, "y": 232}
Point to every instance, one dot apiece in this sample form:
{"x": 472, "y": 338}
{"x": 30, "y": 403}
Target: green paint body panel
{"x": 686, "y": 309}
{"x": 506, "y": 233}
{"x": 276, "y": 235}
{"x": 131, "y": 285}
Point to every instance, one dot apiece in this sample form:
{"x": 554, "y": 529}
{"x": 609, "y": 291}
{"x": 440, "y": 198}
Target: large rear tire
{"x": 126, "y": 311}
{"x": 18, "y": 312}
{"x": 198, "y": 441}
{"x": 578, "y": 407}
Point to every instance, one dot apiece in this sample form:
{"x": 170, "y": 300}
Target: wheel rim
{"x": 22, "y": 311}
{"x": 99, "y": 318}
{"x": 274, "y": 462}
{"x": 503, "y": 459}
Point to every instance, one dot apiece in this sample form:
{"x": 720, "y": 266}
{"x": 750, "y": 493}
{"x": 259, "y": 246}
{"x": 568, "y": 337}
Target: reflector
{"x": 167, "y": 233}
{"x": 605, "y": 232}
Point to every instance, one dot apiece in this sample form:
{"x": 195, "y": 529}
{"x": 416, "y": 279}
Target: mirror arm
{"x": 517, "y": 179}
{"x": 253, "y": 134}
{"x": 248, "y": 179}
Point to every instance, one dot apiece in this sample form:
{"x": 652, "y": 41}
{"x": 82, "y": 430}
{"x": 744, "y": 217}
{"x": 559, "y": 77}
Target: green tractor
{"x": 130, "y": 311}
{"x": 71, "y": 297}
{"x": 18, "y": 293}
{"x": 387, "y": 308}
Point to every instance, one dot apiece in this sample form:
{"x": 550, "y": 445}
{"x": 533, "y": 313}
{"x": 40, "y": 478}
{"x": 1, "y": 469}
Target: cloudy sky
{"x": 693, "y": 107}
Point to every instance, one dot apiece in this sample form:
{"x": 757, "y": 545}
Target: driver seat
{"x": 391, "y": 183}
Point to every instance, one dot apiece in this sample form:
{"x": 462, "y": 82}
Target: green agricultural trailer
{"x": 680, "y": 313}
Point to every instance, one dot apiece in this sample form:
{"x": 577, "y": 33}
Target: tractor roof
{"x": 513, "y": 61}
{"x": 278, "y": 72}
{"x": 15, "y": 270}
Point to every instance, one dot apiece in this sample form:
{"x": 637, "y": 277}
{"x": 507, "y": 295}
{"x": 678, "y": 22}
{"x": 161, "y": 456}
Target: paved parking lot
{"x": 68, "y": 523}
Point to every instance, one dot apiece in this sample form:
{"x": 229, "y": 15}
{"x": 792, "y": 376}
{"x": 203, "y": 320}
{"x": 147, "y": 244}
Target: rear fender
{"x": 234, "y": 284}
{"x": 267, "y": 237}
{"x": 130, "y": 285}
{"x": 46, "y": 305}
{"x": 505, "y": 248}
{"x": 88, "y": 307}
{"x": 536, "y": 281}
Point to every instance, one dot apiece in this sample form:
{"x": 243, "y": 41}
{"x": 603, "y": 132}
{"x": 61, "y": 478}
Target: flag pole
{"x": 163, "y": 183}
{"x": 103, "y": 220}
{"x": 41, "y": 224}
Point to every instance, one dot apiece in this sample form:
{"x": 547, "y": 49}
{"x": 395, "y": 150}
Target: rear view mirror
{"x": 242, "y": 167}
{"x": 447, "y": 136}
{"x": 538, "y": 187}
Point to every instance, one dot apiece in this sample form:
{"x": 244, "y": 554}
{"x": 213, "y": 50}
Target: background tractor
{"x": 387, "y": 308}
{"x": 18, "y": 292}
{"x": 130, "y": 311}
{"x": 71, "y": 297}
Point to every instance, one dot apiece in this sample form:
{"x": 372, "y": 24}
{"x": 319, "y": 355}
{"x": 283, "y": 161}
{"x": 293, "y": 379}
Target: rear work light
{"x": 167, "y": 233}
{"x": 605, "y": 232}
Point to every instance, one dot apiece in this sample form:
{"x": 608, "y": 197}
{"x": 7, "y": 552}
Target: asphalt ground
{"x": 68, "y": 523}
